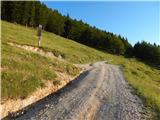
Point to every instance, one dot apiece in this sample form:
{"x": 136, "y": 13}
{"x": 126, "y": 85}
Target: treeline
{"x": 33, "y": 13}
{"x": 148, "y": 53}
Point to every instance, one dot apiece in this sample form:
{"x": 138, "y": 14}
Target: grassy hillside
{"x": 70, "y": 50}
{"x": 145, "y": 79}
{"x": 24, "y": 71}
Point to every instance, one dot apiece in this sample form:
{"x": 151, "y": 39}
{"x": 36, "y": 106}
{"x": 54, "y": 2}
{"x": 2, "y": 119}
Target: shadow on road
{"x": 55, "y": 98}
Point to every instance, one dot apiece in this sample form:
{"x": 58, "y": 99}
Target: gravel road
{"x": 100, "y": 93}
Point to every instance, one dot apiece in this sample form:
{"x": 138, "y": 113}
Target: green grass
{"x": 68, "y": 49}
{"x": 143, "y": 78}
{"x": 23, "y": 72}
{"x": 21, "y": 65}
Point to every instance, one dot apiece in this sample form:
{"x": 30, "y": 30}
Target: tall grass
{"x": 23, "y": 72}
{"x": 143, "y": 78}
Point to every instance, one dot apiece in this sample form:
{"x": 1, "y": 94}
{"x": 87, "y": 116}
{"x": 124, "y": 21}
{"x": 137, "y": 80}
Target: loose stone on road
{"x": 100, "y": 93}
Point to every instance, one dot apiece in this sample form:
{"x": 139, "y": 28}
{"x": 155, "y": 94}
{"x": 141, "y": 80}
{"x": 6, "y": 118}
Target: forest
{"x": 33, "y": 13}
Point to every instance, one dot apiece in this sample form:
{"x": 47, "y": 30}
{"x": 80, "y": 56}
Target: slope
{"x": 142, "y": 77}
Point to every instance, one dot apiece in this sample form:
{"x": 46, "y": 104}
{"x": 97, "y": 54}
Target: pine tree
{"x": 25, "y": 15}
{"x": 17, "y": 12}
{"x": 31, "y": 17}
{"x": 6, "y": 10}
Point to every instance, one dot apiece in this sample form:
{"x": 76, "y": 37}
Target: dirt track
{"x": 100, "y": 93}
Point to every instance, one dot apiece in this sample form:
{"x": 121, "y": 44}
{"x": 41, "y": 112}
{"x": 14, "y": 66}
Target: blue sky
{"x": 135, "y": 20}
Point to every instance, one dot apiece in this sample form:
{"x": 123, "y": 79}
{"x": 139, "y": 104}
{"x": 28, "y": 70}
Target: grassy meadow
{"x": 143, "y": 78}
{"x": 24, "y": 71}
{"x": 68, "y": 49}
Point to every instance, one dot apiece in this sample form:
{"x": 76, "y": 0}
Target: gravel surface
{"x": 100, "y": 93}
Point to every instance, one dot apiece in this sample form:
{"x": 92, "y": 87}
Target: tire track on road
{"x": 101, "y": 93}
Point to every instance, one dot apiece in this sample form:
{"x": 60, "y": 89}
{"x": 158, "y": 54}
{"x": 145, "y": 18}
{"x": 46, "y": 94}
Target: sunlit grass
{"x": 70, "y": 50}
{"x": 22, "y": 64}
{"x": 23, "y": 72}
{"x": 144, "y": 79}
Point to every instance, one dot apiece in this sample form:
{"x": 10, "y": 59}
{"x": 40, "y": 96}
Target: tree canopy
{"x": 148, "y": 52}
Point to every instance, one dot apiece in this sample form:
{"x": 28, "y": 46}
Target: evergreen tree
{"x": 40, "y": 14}
{"x": 17, "y": 11}
{"x": 7, "y": 10}
{"x": 55, "y": 23}
{"x": 148, "y": 53}
{"x": 68, "y": 24}
{"x": 25, "y": 15}
{"x": 31, "y": 17}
